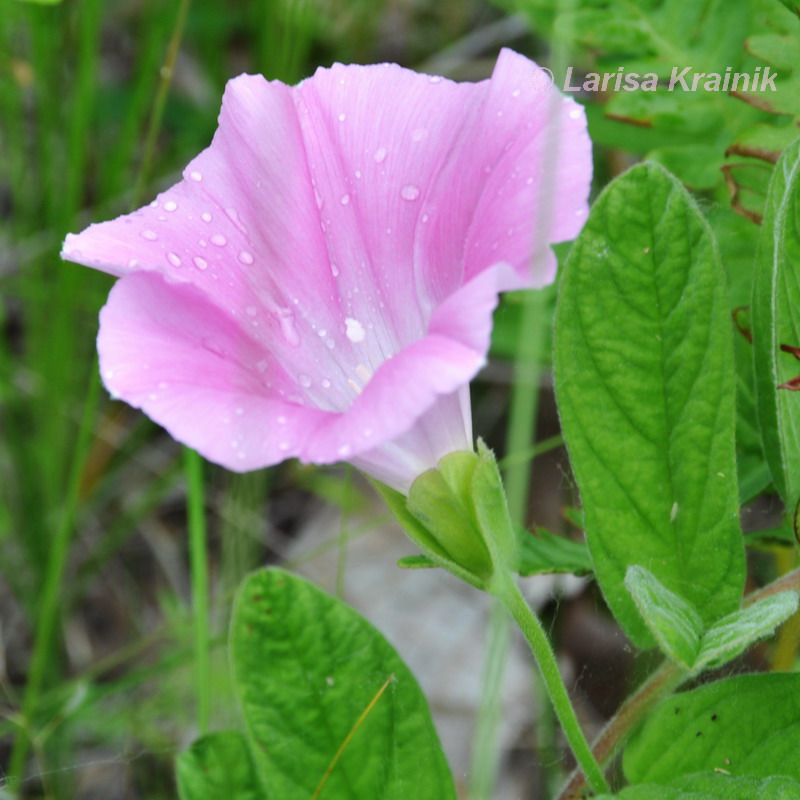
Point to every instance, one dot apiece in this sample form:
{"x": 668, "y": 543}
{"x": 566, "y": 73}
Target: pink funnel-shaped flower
{"x": 321, "y": 283}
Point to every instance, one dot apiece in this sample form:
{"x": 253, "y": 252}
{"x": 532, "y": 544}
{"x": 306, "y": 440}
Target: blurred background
{"x": 102, "y": 102}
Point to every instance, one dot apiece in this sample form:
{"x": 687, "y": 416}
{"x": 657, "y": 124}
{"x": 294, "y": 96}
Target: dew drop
{"x": 418, "y": 135}
{"x": 288, "y": 328}
{"x": 515, "y": 93}
{"x": 355, "y": 330}
{"x": 434, "y": 79}
{"x": 283, "y": 446}
{"x": 334, "y": 270}
{"x": 326, "y": 384}
{"x": 304, "y": 381}
{"x": 344, "y": 450}
{"x": 342, "y": 117}
{"x": 174, "y": 259}
{"x": 170, "y": 205}
{"x": 380, "y": 155}
{"x": 345, "y": 199}
{"x": 409, "y": 192}
{"x": 425, "y": 217}
{"x": 245, "y": 257}
{"x": 262, "y": 365}
{"x": 151, "y": 236}
{"x": 358, "y": 173}
{"x": 318, "y": 199}
{"x": 219, "y": 240}
{"x": 575, "y": 113}
{"x": 154, "y": 204}
{"x": 206, "y": 217}
{"x": 195, "y": 176}
{"x": 200, "y": 263}
{"x": 133, "y": 263}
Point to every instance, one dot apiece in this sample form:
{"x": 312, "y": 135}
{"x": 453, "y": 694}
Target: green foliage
{"x": 747, "y": 725}
{"x": 713, "y": 786}
{"x": 678, "y": 629}
{"x": 219, "y": 766}
{"x": 645, "y": 384}
{"x": 776, "y": 323}
{"x": 327, "y": 701}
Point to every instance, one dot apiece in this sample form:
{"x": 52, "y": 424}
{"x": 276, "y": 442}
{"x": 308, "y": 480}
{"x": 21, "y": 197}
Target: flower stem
{"x": 198, "y": 556}
{"x": 661, "y": 683}
{"x": 508, "y": 592}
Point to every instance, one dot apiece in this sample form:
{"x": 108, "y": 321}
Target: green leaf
{"x": 543, "y": 552}
{"x": 713, "y": 786}
{"x": 645, "y": 386}
{"x": 748, "y": 725}
{"x": 776, "y": 322}
{"x": 675, "y": 625}
{"x": 218, "y": 766}
{"x": 733, "y": 634}
{"x": 324, "y": 694}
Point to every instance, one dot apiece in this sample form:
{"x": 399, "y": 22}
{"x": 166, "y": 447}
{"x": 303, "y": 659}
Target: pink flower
{"x": 321, "y": 283}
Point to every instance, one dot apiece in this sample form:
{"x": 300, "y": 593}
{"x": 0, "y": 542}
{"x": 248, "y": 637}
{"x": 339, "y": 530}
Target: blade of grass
{"x": 198, "y": 551}
{"x": 49, "y": 607}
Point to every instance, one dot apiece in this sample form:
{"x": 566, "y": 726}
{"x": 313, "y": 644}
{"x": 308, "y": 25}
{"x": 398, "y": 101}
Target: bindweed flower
{"x": 321, "y": 283}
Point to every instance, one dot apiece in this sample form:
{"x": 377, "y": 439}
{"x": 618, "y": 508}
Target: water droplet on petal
{"x": 334, "y": 270}
{"x": 576, "y": 113}
{"x": 133, "y": 263}
{"x": 344, "y": 450}
{"x": 151, "y": 236}
{"x": 380, "y": 155}
{"x": 219, "y": 240}
{"x": 425, "y": 218}
{"x": 283, "y": 446}
{"x": 174, "y": 259}
{"x": 170, "y": 205}
{"x": 195, "y": 176}
{"x": 326, "y": 384}
{"x": 345, "y": 199}
{"x": 515, "y": 93}
{"x": 342, "y": 117}
{"x": 288, "y": 329}
{"x": 418, "y": 135}
{"x": 200, "y": 263}
{"x": 355, "y": 330}
{"x": 262, "y": 365}
{"x": 434, "y": 79}
{"x": 206, "y": 217}
{"x": 304, "y": 381}
{"x": 358, "y": 173}
{"x": 409, "y": 192}
{"x": 245, "y": 257}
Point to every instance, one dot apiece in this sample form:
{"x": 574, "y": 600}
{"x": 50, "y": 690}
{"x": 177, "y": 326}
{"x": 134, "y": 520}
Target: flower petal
{"x": 166, "y": 349}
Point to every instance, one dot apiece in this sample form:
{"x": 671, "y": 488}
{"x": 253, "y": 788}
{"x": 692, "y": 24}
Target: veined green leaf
{"x": 675, "y": 625}
{"x": 713, "y": 786}
{"x": 645, "y": 386}
{"x": 218, "y": 766}
{"x": 733, "y": 634}
{"x": 776, "y": 322}
{"x": 748, "y": 725}
{"x": 328, "y": 704}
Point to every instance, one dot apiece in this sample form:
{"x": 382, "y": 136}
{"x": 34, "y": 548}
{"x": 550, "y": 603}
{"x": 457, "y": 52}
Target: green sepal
{"x": 458, "y": 515}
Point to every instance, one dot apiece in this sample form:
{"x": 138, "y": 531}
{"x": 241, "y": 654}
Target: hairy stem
{"x": 509, "y": 593}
